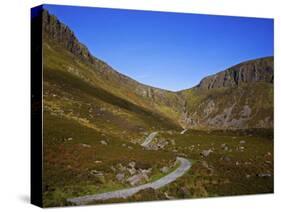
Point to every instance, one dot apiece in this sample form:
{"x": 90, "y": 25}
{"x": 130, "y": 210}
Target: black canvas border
{"x": 36, "y": 106}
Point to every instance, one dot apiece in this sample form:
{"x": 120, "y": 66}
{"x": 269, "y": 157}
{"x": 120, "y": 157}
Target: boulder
{"x": 121, "y": 167}
{"x": 86, "y": 145}
{"x": 225, "y": 158}
{"x": 132, "y": 171}
{"x": 132, "y": 164}
{"x": 137, "y": 179}
{"x": 206, "y": 153}
{"x": 120, "y": 177}
{"x": 103, "y": 142}
{"x": 98, "y": 176}
{"x": 164, "y": 169}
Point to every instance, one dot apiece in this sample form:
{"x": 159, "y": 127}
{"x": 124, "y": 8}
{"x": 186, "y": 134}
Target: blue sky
{"x": 173, "y": 51}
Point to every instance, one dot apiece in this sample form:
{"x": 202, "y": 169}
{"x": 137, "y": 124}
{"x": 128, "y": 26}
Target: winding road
{"x": 124, "y": 193}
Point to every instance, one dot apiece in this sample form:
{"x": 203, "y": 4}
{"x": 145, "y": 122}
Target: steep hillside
{"x": 259, "y": 70}
{"x": 80, "y": 87}
{"x": 239, "y": 97}
{"x": 59, "y": 37}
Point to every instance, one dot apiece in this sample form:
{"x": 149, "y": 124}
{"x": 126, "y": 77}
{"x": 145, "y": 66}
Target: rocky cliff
{"x": 239, "y": 97}
{"x": 59, "y": 32}
{"x": 258, "y": 70}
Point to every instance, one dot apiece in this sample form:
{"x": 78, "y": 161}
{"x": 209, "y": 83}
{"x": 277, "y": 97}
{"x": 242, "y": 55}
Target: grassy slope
{"x": 238, "y": 175}
{"x": 87, "y": 108}
{"x": 79, "y": 109}
{"x": 68, "y": 164}
{"x": 103, "y": 77}
{"x": 258, "y": 96}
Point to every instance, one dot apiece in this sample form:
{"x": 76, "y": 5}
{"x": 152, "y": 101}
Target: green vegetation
{"x": 96, "y": 118}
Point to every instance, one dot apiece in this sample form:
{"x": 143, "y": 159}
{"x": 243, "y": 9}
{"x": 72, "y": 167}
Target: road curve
{"x": 124, "y": 193}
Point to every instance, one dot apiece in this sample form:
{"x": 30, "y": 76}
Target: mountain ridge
{"x": 60, "y": 32}
{"x": 165, "y": 102}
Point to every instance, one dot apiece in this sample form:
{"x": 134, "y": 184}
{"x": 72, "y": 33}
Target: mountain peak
{"x": 55, "y": 30}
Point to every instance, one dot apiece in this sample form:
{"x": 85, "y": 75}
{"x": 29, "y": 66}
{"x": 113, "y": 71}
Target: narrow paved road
{"x": 124, "y": 193}
{"x": 149, "y": 139}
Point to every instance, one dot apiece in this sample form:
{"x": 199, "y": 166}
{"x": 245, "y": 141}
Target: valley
{"x": 105, "y": 132}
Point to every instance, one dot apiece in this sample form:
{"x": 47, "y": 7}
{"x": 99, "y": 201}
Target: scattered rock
{"x": 206, "y": 153}
{"x": 168, "y": 196}
{"x": 248, "y": 176}
{"x": 162, "y": 143}
{"x": 129, "y": 147}
{"x": 132, "y": 171}
{"x": 70, "y": 139}
{"x": 242, "y": 142}
{"x": 113, "y": 168}
{"x": 223, "y": 145}
{"x": 102, "y": 109}
{"x": 120, "y": 177}
{"x": 146, "y": 171}
{"x": 241, "y": 148}
{"x": 164, "y": 169}
{"x": 191, "y": 147}
{"x": 264, "y": 175}
{"x": 181, "y": 154}
{"x": 170, "y": 132}
{"x": 98, "y": 176}
{"x": 132, "y": 164}
{"x": 137, "y": 179}
{"x": 86, "y": 145}
{"x": 121, "y": 167}
{"x": 182, "y": 132}
{"x": 103, "y": 142}
{"x": 225, "y": 158}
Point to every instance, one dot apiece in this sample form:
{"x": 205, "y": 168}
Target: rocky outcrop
{"x": 59, "y": 32}
{"x": 259, "y": 70}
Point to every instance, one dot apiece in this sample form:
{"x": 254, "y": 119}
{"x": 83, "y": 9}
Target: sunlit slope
{"x": 239, "y": 97}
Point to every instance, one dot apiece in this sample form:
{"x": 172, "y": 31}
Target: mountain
{"x": 104, "y": 131}
{"x": 260, "y": 70}
{"x": 239, "y": 97}
{"x": 83, "y": 88}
